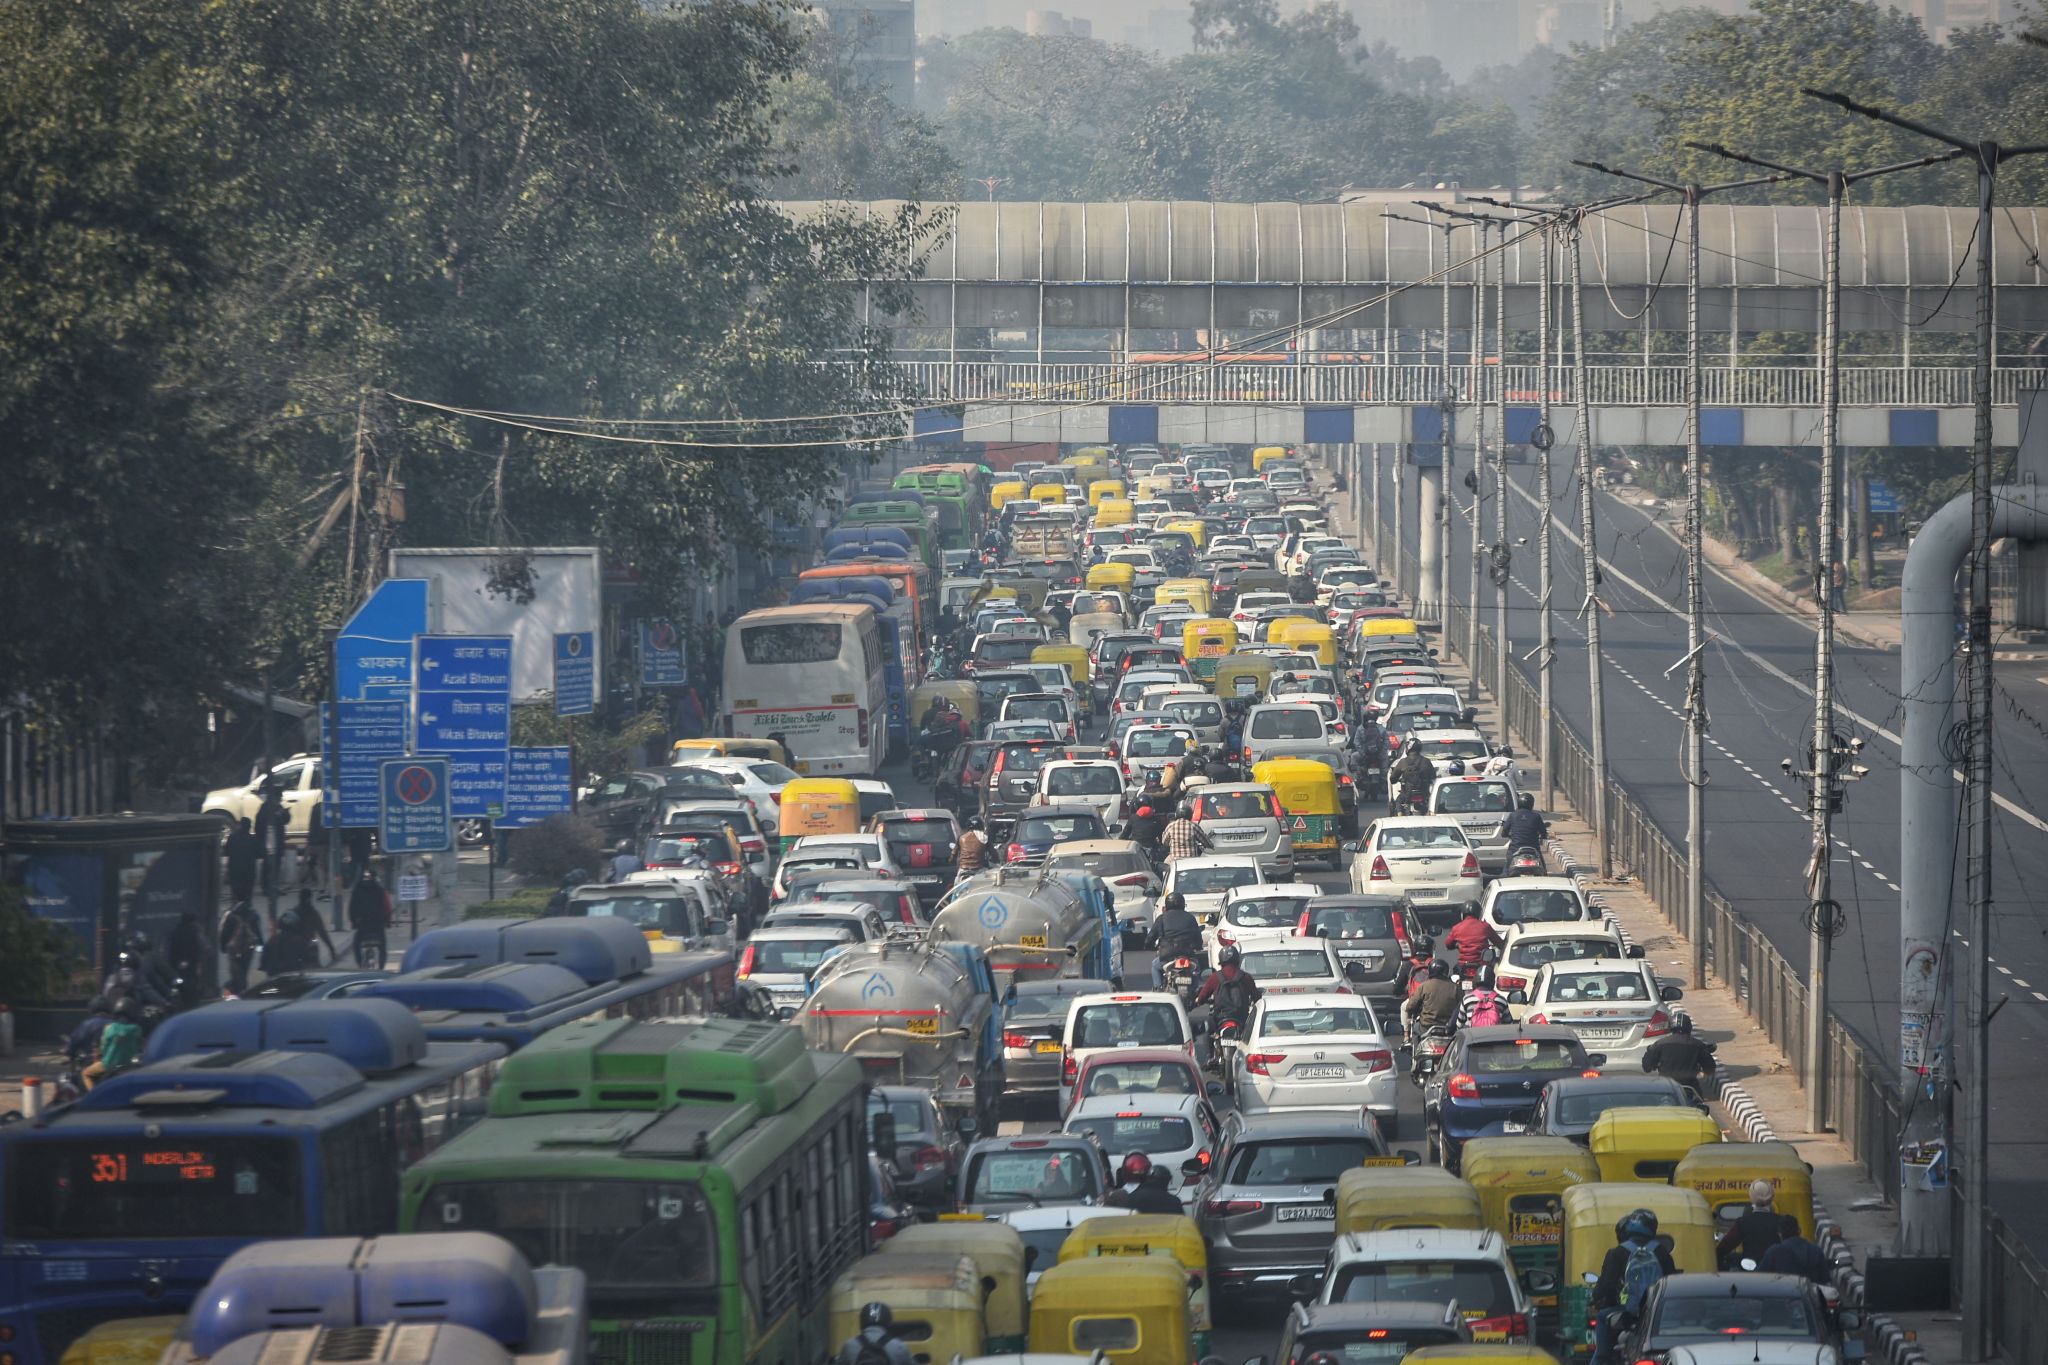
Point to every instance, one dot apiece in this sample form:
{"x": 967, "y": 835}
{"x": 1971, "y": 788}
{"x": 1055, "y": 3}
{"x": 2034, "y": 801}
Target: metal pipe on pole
{"x": 1501, "y": 554}
{"x": 1546, "y": 622}
{"x": 1595, "y": 669}
{"x": 1474, "y": 524}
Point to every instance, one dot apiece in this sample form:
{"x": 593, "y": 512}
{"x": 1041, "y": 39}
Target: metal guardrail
{"x": 1862, "y": 1102}
{"x": 1026, "y": 381}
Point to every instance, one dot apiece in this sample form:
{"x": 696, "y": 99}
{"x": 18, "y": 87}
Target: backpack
{"x": 1485, "y": 1009}
{"x": 1638, "y": 1273}
{"x": 864, "y": 1349}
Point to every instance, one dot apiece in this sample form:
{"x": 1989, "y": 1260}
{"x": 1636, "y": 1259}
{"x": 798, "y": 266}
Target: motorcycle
{"x": 1182, "y": 976}
{"x": 1426, "y": 1052}
{"x": 1222, "y": 1042}
{"x": 1409, "y": 803}
{"x": 1525, "y": 862}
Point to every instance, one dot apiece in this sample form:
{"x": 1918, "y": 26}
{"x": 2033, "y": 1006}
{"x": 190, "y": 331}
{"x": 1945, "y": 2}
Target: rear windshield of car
{"x": 1237, "y": 806}
{"x": 1108, "y": 866}
{"x": 1556, "y": 906}
{"x": 1461, "y": 798}
{"x": 1323, "y": 1019}
{"x": 1449, "y": 748}
{"x": 1008, "y": 649}
{"x": 1401, "y": 837}
{"x": 1058, "y": 829}
{"x": 1582, "y": 1110}
{"x": 1156, "y": 743}
{"x": 1151, "y": 1133}
{"x": 1352, "y": 921}
{"x": 1718, "y": 1317}
{"x": 1035, "y": 708}
{"x": 1296, "y": 722}
{"x": 792, "y": 955}
{"x": 1196, "y": 712}
{"x": 1025, "y": 758}
{"x": 912, "y": 1116}
{"x": 1510, "y": 1055}
{"x": 1371, "y": 1345}
{"x": 1267, "y": 912}
{"x": 1282, "y": 965}
{"x": 1144, "y": 1023}
{"x": 1211, "y": 881}
{"x": 1302, "y": 1161}
{"x": 1477, "y": 1286}
{"x": 1534, "y": 952}
{"x": 1603, "y": 987}
{"x": 1102, "y": 781}
{"x": 1041, "y": 1005}
{"x": 1063, "y": 1174}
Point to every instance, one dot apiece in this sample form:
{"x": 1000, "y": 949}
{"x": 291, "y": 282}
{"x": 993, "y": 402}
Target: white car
{"x": 1256, "y": 911}
{"x": 863, "y": 921}
{"x": 1153, "y": 749}
{"x": 1249, "y": 604}
{"x": 1291, "y": 964}
{"x": 1433, "y": 1265}
{"x": 1061, "y": 710}
{"x": 1045, "y": 1230}
{"x": 1121, "y": 1019}
{"x": 1534, "y": 900}
{"x": 1615, "y": 1005}
{"x": 1425, "y": 858}
{"x": 1203, "y": 882}
{"x": 1323, "y": 1051}
{"x": 870, "y": 851}
{"x": 1096, "y": 782}
{"x": 1527, "y": 947}
{"x": 1125, "y": 870}
{"x": 760, "y": 780}
{"x": 1171, "y": 1129}
{"x": 1450, "y": 745}
{"x": 784, "y": 959}
{"x": 1478, "y": 803}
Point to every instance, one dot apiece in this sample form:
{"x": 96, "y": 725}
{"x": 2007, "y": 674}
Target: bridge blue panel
{"x": 1914, "y": 427}
{"x": 1426, "y": 424}
{"x": 1133, "y": 423}
{"x": 1720, "y": 426}
{"x": 934, "y": 423}
{"x": 1522, "y": 424}
{"x": 1426, "y": 456}
{"x": 1327, "y": 426}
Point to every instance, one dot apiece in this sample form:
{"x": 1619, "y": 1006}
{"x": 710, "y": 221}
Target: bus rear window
{"x": 792, "y": 642}
{"x": 88, "y": 1190}
{"x": 628, "y": 1236}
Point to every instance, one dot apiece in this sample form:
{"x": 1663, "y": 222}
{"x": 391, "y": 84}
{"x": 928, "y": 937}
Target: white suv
{"x": 1438, "y": 1265}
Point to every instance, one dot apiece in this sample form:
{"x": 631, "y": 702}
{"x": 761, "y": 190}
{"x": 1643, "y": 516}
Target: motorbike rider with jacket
{"x": 1410, "y": 779}
{"x": 1523, "y": 827}
{"x": 1232, "y": 990}
{"x": 1471, "y": 937}
{"x": 1432, "y": 1005}
{"x": 1175, "y": 934}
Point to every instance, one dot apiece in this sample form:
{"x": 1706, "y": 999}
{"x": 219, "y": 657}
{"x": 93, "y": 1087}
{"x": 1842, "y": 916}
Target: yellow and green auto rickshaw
{"x": 818, "y": 805}
{"x": 1242, "y": 677}
{"x": 1265, "y": 455}
{"x": 1133, "y": 1309}
{"x": 1204, "y": 640}
{"x": 1480, "y": 1353}
{"x": 1005, "y": 491}
{"x": 1152, "y": 1234}
{"x": 1311, "y": 809}
{"x": 1115, "y": 512}
{"x": 1192, "y": 593}
{"x": 728, "y": 746}
{"x": 1396, "y": 1198}
{"x": 1521, "y": 1183}
{"x": 1117, "y": 577}
{"x": 999, "y": 1259}
{"x": 1590, "y": 1215}
{"x": 1724, "y": 1171}
{"x": 936, "y": 1298}
{"x": 1100, "y": 489}
{"x": 1644, "y": 1142}
{"x": 1298, "y": 632}
{"x": 1049, "y": 494}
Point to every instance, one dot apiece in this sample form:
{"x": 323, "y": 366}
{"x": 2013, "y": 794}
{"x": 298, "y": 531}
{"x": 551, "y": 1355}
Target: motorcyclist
{"x": 128, "y": 981}
{"x": 1175, "y": 934}
{"x": 1182, "y": 837}
{"x": 1680, "y": 1056}
{"x": 155, "y": 965}
{"x": 1471, "y": 936}
{"x": 82, "y": 1048}
{"x": 876, "y": 1342}
{"x": 1523, "y": 827}
{"x": 1232, "y": 989}
{"x": 1482, "y": 1005}
{"x": 1370, "y": 740}
{"x": 1411, "y": 777}
{"x": 1135, "y": 1190}
{"x": 1146, "y": 823}
{"x": 1414, "y": 969}
{"x": 944, "y": 726}
{"x": 1500, "y": 764}
{"x": 1612, "y": 1302}
{"x": 1432, "y": 1003}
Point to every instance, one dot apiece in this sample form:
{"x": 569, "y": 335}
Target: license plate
{"x": 1513, "y": 1127}
{"x": 1045, "y": 1045}
{"x": 1425, "y": 890}
{"x": 1318, "y": 1073}
{"x": 1602, "y": 1032}
{"x": 1304, "y": 1213}
{"x": 923, "y": 1028}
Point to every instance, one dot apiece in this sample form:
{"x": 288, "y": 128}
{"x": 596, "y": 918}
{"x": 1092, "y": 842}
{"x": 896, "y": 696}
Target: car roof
{"x": 1411, "y": 821}
{"x": 1315, "y": 1000}
{"x": 1260, "y": 891}
{"x": 815, "y": 929}
{"x": 1578, "y": 1085}
{"x": 1516, "y": 883}
{"x": 868, "y": 883}
{"x": 1057, "y": 1216}
{"x": 1217, "y": 788}
{"x": 906, "y": 1092}
{"x": 1397, "y": 1246}
{"x": 1567, "y": 928}
{"x": 1735, "y": 1284}
{"x": 916, "y": 813}
{"x": 1287, "y": 1123}
{"x": 1446, "y": 734}
{"x": 1010, "y": 1142}
{"x": 1345, "y": 900}
{"x": 1059, "y": 809}
{"x": 1208, "y": 860}
{"x": 1597, "y": 964}
{"x": 1147, "y": 1102}
{"x": 1080, "y": 763}
{"x": 1144, "y": 1055}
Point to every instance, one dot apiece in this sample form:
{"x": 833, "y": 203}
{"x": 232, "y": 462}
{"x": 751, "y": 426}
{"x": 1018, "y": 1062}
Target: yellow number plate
{"x": 1033, "y": 940}
{"x": 1047, "y": 1045}
{"x": 924, "y": 1028}
{"x": 1383, "y": 1161}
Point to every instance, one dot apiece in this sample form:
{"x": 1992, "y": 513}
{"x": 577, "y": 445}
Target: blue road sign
{"x": 361, "y": 736}
{"x": 462, "y": 707}
{"x": 537, "y": 784}
{"x": 1883, "y": 502}
{"x": 373, "y": 653}
{"x": 575, "y": 673}
{"x": 661, "y": 653}
{"x": 413, "y": 805}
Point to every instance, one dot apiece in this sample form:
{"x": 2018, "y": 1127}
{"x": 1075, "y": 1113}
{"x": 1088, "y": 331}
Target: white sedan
{"x": 1316, "y": 1052}
{"x": 1290, "y": 964}
{"x": 1615, "y": 1005}
{"x": 760, "y": 780}
{"x": 1423, "y": 857}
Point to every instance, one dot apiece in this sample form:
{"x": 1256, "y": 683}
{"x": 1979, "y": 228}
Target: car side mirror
{"x": 1350, "y": 845}
{"x": 1669, "y": 993}
{"x": 1596, "y": 1060}
{"x": 1633, "y": 950}
{"x": 1539, "y": 1281}
{"x": 967, "y": 1126}
{"x": 1193, "y": 1168}
{"x": 1305, "y": 1286}
{"x": 1517, "y": 997}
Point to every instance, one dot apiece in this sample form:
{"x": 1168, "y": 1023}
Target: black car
{"x": 1758, "y": 1310}
{"x": 922, "y": 1153}
{"x": 628, "y": 805}
{"x": 925, "y": 843}
{"x": 1494, "y": 1075}
{"x": 1569, "y": 1108}
{"x": 1366, "y": 1333}
{"x": 1374, "y": 931}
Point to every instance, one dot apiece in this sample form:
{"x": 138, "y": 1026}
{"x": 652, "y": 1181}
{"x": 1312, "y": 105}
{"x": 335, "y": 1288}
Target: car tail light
{"x": 729, "y": 869}
{"x": 754, "y": 845}
{"x": 884, "y": 1229}
{"x": 997, "y": 769}
{"x": 1379, "y": 870}
{"x": 1225, "y": 1208}
{"x": 1016, "y": 1039}
{"x": 1463, "y": 1087}
{"x": 1015, "y": 853}
{"x": 928, "y": 1157}
{"x": 1344, "y": 779}
{"x": 1301, "y": 926}
{"x": 1538, "y": 1019}
{"x": 746, "y": 967}
{"x": 1135, "y": 879}
{"x": 1068, "y": 1069}
{"x": 1659, "y": 1025}
{"x": 1590, "y": 1073}
{"x": 1258, "y": 1062}
{"x": 1512, "y": 983}
{"x": 1375, "y": 1059}
{"x": 1470, "y": 867}
{"x": 1513, "y": 1326}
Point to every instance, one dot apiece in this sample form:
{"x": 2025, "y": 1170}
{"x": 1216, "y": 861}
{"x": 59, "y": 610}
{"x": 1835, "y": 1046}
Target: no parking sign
{"x": 412, "y": 810}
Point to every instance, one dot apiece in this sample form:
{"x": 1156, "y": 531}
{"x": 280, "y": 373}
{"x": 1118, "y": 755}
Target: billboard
{"x": 532, "y": 595}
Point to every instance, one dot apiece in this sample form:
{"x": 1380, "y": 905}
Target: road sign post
{"x": 575, "y": 673}
{"x": 413, "y": 814}
{"x": 462, "y": 707}
{"x": 661, "y": 654}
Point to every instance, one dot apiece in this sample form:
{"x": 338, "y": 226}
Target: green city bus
{"x": 958, "y": 493}
{"x": 708, "y": 1176}
{"x": 914, "y": 518}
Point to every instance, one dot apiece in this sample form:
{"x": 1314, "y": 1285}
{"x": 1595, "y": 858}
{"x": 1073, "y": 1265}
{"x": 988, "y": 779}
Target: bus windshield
{"x": 89, "y": 1189}
{"x": 629, "y": 1236}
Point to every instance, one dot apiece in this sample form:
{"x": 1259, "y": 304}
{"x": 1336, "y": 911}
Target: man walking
{"x": 272, "y": 822}
{"x": 243, "y": 851}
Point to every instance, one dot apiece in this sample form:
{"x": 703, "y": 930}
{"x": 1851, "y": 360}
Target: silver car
{"x": 1615, "y": 1005}
{"x": 1034, "y": 1017}
{"x": 783, "y": 960}
{"x": 1244, "y": 819}
{"x": 1479, "y": 804}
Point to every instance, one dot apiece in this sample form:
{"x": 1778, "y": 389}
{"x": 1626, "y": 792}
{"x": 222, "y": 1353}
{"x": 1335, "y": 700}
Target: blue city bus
{"x": 124, "y": 1202}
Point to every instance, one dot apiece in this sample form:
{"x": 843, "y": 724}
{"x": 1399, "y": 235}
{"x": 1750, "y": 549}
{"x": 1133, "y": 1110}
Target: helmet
{"x": 941, "y": 704}
{"x": 1136, "y": 1167}
{"x": 574, "y": 877}
{"x": 1640, "y": 1224}
{"x": 1176, "y": 901}
{"x": 876, "y": 1315}
{"x": 1184, "y": 809}
{"x": 1761, "y": 1193}
{"x": 974, "y": 822}
{"x": 1145, "y": 811}
{"x": 138, "y": 944}
{"x": 290, "y": 920}
{"x": 127, "y": 960}
{"x": 1439, "y": 970}
{"x": 1456, "y": 768}
{"x": 1424, "y": 946}
{"x": 1230, "y": 956}
{"x": 1526, "y": 801}
{"x": 1504, "y": 751}
{"x": 1682, "y": 1023}
{"x": 623, "y": 846}
{"x": 127, "y": 1008}
{"x": 1471, "y": 909}
{"x": 1483, "y": 978}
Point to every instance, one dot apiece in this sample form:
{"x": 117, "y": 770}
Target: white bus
{"x": 812, "y": 674}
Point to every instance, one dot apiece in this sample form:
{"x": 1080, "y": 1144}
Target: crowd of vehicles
{"x": 752, "y": 1098}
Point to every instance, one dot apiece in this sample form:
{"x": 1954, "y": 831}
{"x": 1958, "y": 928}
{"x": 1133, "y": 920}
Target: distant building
{"x": 1562, "y": 23}
{"x": 881, "y": 41}
{"x": 1050, "y": 23}
{"x": 1164, "y": 31}
{"x": 1463, "y": 35}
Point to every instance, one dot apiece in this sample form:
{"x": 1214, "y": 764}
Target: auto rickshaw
{"x": 961, "y": 693}
{"x": 729, "y": 746}
{"x": 1302, "y": 633}
{"x": 1311, "y": 808}
{"x": 1193, "y": 528}
{"x": 1029, "y": 593}
{"x": 1394, "y": 1198}
{"x": 1083, "y": 627}
{"x": 1115, "y": 512}
{"x": 1074, "y": 659}
{"x": 1590, "y": 1215}
{"x": 1133, "y": 1310}
{"x": 1265, "y": 455}
{"x": 1521, "y": 1183}
{"x": 998, "y": 1254}
{"x": 1724, "y": 1171}
{"x": 1204, "y": 640}
{"x": 1190, "y": 592}
{"x": 1242, "y": 677}
{"x": 1152, "y": 1234}
{"x": 818, "y": 805}
{"x": 1150, "y": 486}
{"x": 125, "y": 1341}
{"x": 936, "y": 1298}
{"x": 1646, "y": 1144}
{"x": 1100, "y": 489}
{"x": 1049, "y": 494}
{"x": 1003, "y": 492}
{"x": 1121, "y": 578}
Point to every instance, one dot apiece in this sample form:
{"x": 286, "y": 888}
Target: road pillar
{"x": 1429, "y": 585}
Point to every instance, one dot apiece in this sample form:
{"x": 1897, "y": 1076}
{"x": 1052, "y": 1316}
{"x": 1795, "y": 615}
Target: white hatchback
{"x": 1170, "y": 1129}
{"x": 1423, "y": 857}
{"x": 1615, "y": 1005}
{"x": 1291, "y": 964}
{"x": 1204, "y": 882}
{"x": 1511, "y": 901}
{"x": 1324, "y": 1051}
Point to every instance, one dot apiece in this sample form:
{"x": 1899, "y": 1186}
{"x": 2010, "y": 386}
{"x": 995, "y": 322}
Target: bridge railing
{"x": 1011, "y": 381}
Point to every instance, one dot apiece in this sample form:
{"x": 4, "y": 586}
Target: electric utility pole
{"x": 1693, "y": 920}
{"x": 1824, "y": 922}
{"x": 1474, "y": 481}
{"x": 1973, "y": 1170}
{"x": 1590, "y": 551}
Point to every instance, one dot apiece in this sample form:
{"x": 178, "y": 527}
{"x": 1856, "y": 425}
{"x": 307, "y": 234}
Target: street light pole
{"x": 1589, "y": 547}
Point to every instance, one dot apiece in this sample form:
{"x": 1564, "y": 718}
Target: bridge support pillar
{"x": 1429, "y": 578}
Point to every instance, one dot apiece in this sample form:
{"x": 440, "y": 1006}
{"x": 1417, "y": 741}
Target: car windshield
{"x": 1235, "y": 806}
{"x": 1302, "y": 1161}
{"x": 631, "y": 1237}
{"x": 1108, "y": 866}
{"x": 1324, "y": 1019}
{"x": 1475, "y": 797}
{"x": 1150, "y": 1133}
{"x": 1104, "y": 780}
{"x": 1267, "y": 912}
{"x": 1156, "y": 743}
{"x": 667, "y": 914}
{"x": 1555, "y": 906}
{"x": 1112, "y": 1077}
{"x": 1034, "y": 1175}
{"x": 700, "y": 783}
{"x": 1580, "y": 1110}
{"x": 1292, "y": 722}
{"x": 1143, "y": 1023}
{"x": 1035, "y": 708}
{"x": 1352, "y": 921}
{"x": 1399, "y": 837}
{"x": 1282, "y": 965}
{"x": 1443, "y": 750}
{"x": 1058, "y": 829}
{"x": 1510, "y": 1055}
{"x": 1605, "y": 987}
{"x": 1717, "y": 1317}
{"x": 1008, "y": 649}
{"x": 791, "y": 956}
{"x": 1212, "y": 881}
{"x": 1534, "y": 952}
{"x": 1478, "y": 1286}
{"x": 712, "y": 848}
{"x": 1040, "y": 1005}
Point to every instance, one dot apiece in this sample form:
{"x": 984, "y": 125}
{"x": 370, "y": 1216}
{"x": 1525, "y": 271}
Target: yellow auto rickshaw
{"x": 1243, "y": 677}
{"x": 1480, "y": 1353}
{"x": 935, "y": 1297}
{"x": 1590, "y": 1215}
{"x": 1298, "y": 632}
{"x": 126, "y": 1341}
{"x": 1152, "y": 1234}
{"x": 1397, "y": 628}
{"x": 962, "y": 694}
{"x": 1003, "y": 492}
{"x": 1049, "y": 494}
{"x": 1646, "y": 1143}
{"x": 1134, "y": 1310}
{"x": 1521, "y": 1183}
{"x": 1099, "y": 489}
{"x": 1194, "y": 528}
{"x": 729, "y": 746}
{"x": 1150, "y": 487}
{"x": 1115, "y": 512}
{"x": 1394, "y": 1198}
{"x": 1087, "y": 455}
{"x": 1723, "y": 1172}
{"x": 1074, "y": 659}
{"x": 1265, "y": 455}
{"x": 1189, "y": 592}
{"x": 1310, "y": 807}
{"x": 999, "y": 1260}
{"x": 818, "y": 805}
{"x": 1204, "y": 640}
{"x": 1083, "y": 627}
{"x": 1121, "y": 578}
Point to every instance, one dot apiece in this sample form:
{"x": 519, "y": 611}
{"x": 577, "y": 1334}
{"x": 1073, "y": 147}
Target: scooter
{"x": 1426, "y": 1053}
{"x": 1525, "y": 862}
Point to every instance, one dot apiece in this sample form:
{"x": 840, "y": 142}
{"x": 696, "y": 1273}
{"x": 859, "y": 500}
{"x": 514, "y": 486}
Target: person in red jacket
{"x": 1471, "y": 938}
